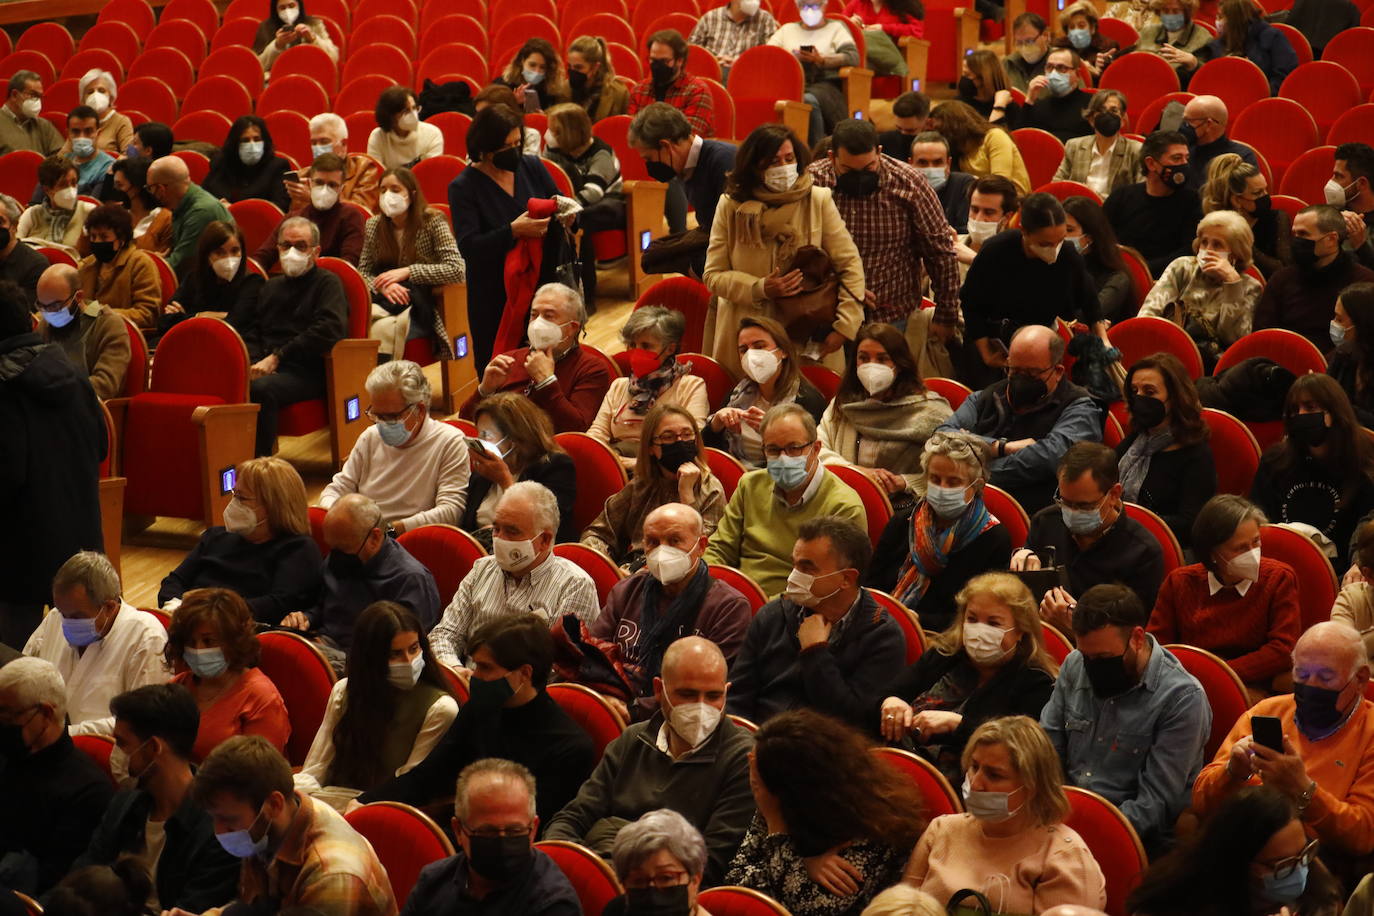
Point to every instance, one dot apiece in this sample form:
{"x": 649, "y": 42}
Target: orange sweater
{"x": 1341, "y": 814}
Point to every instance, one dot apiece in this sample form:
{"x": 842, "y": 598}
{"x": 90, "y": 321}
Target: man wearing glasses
{"x": 1326, "y": 765}
{"x": 342, "y": 226}
{"x": 1204, "y": 125}
{"x": 1056, "y": 97}
{"x": 21, "y": 126}
{"x": 497, "y": 869}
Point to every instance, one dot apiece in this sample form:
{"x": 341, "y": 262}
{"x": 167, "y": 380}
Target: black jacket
{"x": 1177, "y": 485}
{"x": 235, "y": 182}
{"x": 555, "y": 471}
{"x": 298, "y": 318}
{"x": 707, "y": 181}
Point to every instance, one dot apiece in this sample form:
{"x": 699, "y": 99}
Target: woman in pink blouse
{"x": 213, "y": 637}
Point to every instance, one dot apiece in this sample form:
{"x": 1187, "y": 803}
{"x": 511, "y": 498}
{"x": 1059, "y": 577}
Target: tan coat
{"x": 97, "y": 342}
{"x": 1122, "y": 169}
{"x": 1355, "y": 606}
{"x": 735, "y": 274}
{"x": 129, "y": 284}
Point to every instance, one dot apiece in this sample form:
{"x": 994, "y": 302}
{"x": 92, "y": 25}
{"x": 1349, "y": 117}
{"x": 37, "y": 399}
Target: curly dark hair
{"x": 228, "y": 613}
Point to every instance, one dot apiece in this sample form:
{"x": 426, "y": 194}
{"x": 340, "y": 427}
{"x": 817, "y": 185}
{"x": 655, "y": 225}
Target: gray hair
{"x": 493, "y": 768}
{"x": 657, "y": 122}
{"x": 790, "y": 409}
{"x": 664, "y": 323}
{"x": 1054, "y": 342}
{"x": 1100, "y": 99}
{"x": 1217, "y": 520}
{"x": 542, "y": 501}
{"x": 663, "y": 829}
{"x": 21, "y": 79}
{"x": 292, "y": 221}
{"x": 12, "y": 208}
{"x": 328, "y": 120}
{"x": 400, "y": 375}
{"x": 91, "y": 76}
{"x": 35, "y": 681}
{"x": 91, "y": 570}
{"x": 932, "y": 136}
{"x": 962, "y": 448}
{"x": 573, "y": 303}
{"x": 362, "y": 513}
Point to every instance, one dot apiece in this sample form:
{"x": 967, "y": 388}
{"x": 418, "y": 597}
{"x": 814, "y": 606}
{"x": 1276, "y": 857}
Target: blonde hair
{"x": 904, "y": 900}
{"x": 1035, "y": 761}
{"x": 571, "y": 127}
{"x": 1227, "y": 175}
{"x": 1085, "y": 7}
{"x": 1237, "y": 232}
{"x": 593, "y": 49}
{"x": 1025, "y": 614}
{"x": 278, "y": 486}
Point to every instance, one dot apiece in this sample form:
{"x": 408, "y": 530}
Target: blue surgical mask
{"x": 80, "y": 631}
{"x": 250, "y": 153}
{"x": 1060, "y": 83}
{"x": 787, "y": 472}
{"x": 240, "y": 843}
{"x": 946, "y": 502}
{"x": 60, "y": 318}
{"x": 1337, "y": 333}
{"x": 394, "y": 433}
{"x": 532, "y": 77}
{"x": 1080, "y": 38}
{"x": 319, "y": 149}
{"x": 1285, "y": 890}
{"x": 1081, "y": 522}
{"x": 1173, "y": 22}
{"x": 83, "y": 147}
{"x": 206, "y": 662}
{"x": 936, "y": 177}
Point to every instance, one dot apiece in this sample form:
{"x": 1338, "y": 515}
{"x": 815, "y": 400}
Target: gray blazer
{"x": 1123, "y": 169}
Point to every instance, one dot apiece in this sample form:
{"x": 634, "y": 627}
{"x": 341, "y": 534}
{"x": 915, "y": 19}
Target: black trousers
{"x": 273, "y": 392}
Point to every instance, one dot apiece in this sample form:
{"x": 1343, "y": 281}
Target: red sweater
{"x": 893, "y": 24}
{"x": 571, "y": 402}
{"x": 1254, "y": 632}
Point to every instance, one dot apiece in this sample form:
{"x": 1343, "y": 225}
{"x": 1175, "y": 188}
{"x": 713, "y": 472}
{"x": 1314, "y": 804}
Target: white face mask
{"x": 512, "y": 556}
{"x": 294, "y": 262}
{"x": 979, "y": 231}
{"x": 876, "y": 377}
{"x": 543, "y": 333}
{"x": 780, "y": 178}
{"x": 394, "y": 203}
{"x": 64, "y": 199}
{"x": 32, "y": 108}
{"x": 748, "y": 7}
{"x": 323, "y": 197}
{"x": 251, "y": 151}
{"x": 319, "y": 149}
{"x": 1046, "y": 253}
{"x": 760, "y": 365}
{"x": 226, "y": 268}
{"x": 983, "y": 642}
{"x": 669, "y": 564}
{"x": 99, "y": 100}
{"x": 993, "y": 807}
{"x": 693, "y": 722}
{"x": 408, "y": 121}
{"x": 239, "y": 519}
{"x": 1333, "y": 190}
{"x": 405, "y": 675}
{"x": 812, "y": 16}
{"x": 1246, "y": 565}
{"x": 799, "y": 585}
{"x": 288, "y": 14}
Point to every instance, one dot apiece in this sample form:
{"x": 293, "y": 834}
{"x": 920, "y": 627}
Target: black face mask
{"x": 968, "y": 89}
{"x": 344, "y": 565}
{"x": 1318, "y": 709}
{"x": 1108, "y": 676}
{"x": 1307, "y": 429}
{"x": 657, "y": 901}
{"x": 663, "y": 72}
{"x": 484, "y": 694}
{"x": 675, "y": 454}
{"x": 1108, "y": 124}
{"x": 1025, "y": 390}
{"x": 857, "y": 184}
{"x": 1173, "y": 176}
{"x": 4, "y": 237}
{"x": 578, "y": 81}
{"x": 499, "y": 858}
{"x": 1262, "y": 205}
{"x": 507, "y": 160}
{"x": 1189, "y": 133}
{"x": 1304, "y": 253}
{"x": 104, "y": 251}
{"x": 12, "y": 746}
{"x": 1147, "y": 412}
{"x": 660, "y": 171}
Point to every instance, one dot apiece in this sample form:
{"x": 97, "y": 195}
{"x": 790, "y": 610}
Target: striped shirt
{"x": 728, "y": 39}
{"x": 552, "y": 589}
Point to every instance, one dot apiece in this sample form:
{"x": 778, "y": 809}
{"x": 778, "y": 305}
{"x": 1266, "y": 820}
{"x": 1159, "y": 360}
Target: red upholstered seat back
{"x": 605, "y": 574}
{"x": 1162, "y": 533}
{"x": 1317, "y": 584}
{"x": 685, "y": 295}
{"x": 1008, "y": 511}
{"x": 405, "y": 840}
{"x": 447, "y": 552}
{"x": 1112, "y": 841}
{"x": 599, "y": 475}
{"x": 726, "y": 468}
{"x": 98, "y": 748}
{"x": 303, "y": 678}
{"x": 940, "y": 797}
{"x": 1225, "y": 691}
{"x": 731, "y": 900}
{"x": 202, "y": 356}
{"x": 589, "y": 874}
{"x": 1235, "y": 452}
{"x": 877, "y": 506}
{"x": 591, "y": 711}
{"x": 1143, "y": 336}
{"x": 162, "y": 454}
{"x": 751, "y": 590}
{"x": 906, "y": 619}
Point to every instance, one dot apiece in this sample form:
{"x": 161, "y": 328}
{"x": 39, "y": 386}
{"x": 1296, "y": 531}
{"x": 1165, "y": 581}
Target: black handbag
{"x": 957, "y": 907}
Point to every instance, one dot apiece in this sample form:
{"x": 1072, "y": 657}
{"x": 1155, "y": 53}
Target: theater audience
{"x": 246, "y": 783}
{"x": 53, "y": 794}
{"x": 414, "y": 467}
{"x": 100, "y": 645}
{"x": 1243, "y": 32}
{"x": 824, "y": 47}
{"x": 689, "y": 757}
{"x": 341, "y": 226}
{"x": 248, "y": 166}
{"x": 989, "y": 662}
{"x": 728, "y": 31}
{"x": 1166, "y": 460}
{"x": 992, "y": 202}
{"x": 400, "y": 138}
{"x": 592, "y": 81}
{"x": 517, "y": 443}
{"x": 1155, "y": 216}
{"x": 671, "y": 468}
{"x": 1029, "y": 419}
{"x": 90, "y": 334}
{"x": 910, "y": 112}
{"x": 1204, "y": 125}
{"x": 217, "y": 280}
{"x": 1031, "y": 35}
{"x": 1103, "y": 160}
{"x": 191, "y": 206}
{"x": 1078, "y": 23}
{"x": 672, "y": 596}
{"x": 387, "y": 712}
{"x": 1055, "y": 101}
{"x": 58, "y": 218}
{"x": 1175, "y": 37}
{"x": 152, "y": 141}
{"x": 20, "y": 264}
{"x": 157, "y": 819}
{"x": 885, "y": 24}
{"x": 213, "y": 637}
{"x": 983, "y": 86}
{"x": 129, "y": 188}
{"x": 930, "y": 155}
{"x": 25, "y": 128}
{"x": 522, "y": 575}
{"x": 977, "y": 147}
{"x": 509, "y": 715}
{"x": 118, "y": 273}
{"x": 92, "y": 163}
{"x": 497, "y": 868}
{"x": 834, "y": 823}
{"x": 287, "y": 25}
{"x": 1235, "y": 602}
{"x": 1127, "y": 721}
{"x": 762, "y": 520}
{"x": 536, "y": 68}
{"x": 1354, "y": 163}
{"x": 1234, "y": 184}
{"x": 498, "y": 93}
{"x": 653, "y": 336}
{"x": 1087, "y": 230}
{"x": 1011, "y": 844}
{"x": 329, "y": 134}
{"x": 1352, "y": 331}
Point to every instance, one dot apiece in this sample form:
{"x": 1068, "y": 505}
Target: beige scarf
{"x": 772, "y": 218}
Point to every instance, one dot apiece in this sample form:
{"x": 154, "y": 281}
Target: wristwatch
{"x": 1305, "y": 798}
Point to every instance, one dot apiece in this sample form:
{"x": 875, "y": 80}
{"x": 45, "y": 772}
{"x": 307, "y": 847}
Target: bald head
{"x": 1036, "y": 350}
{"x": 693, "y": 658}
{"x": 168, "y": 180}
{"x": 57, "y": 284}
{"x": 1208, "y": 116}
{"x": 1337, "y": 646}
{"x": 675, "y": 525}
{"x": 351, "y": 521}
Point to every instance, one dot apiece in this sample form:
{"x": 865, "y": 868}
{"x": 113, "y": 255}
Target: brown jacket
{"x": 359, "y": 184}
{"x": 129, "y": 284}
{"x": 97, "y": 342}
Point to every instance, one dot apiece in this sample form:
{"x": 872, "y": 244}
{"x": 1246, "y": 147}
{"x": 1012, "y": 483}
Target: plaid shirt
{"x": 724, "y": 37}
{"x": 895, "y": 230}
{"x": 688, "y": 94}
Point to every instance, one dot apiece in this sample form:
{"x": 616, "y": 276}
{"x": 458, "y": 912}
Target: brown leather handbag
{"x": 810, "y": 314}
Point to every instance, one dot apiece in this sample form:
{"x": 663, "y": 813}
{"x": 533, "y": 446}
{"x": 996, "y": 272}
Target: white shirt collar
{"x": 809, "y": 492}
{"x": 1215, "y": 585}
{"x": 693, "y": 155}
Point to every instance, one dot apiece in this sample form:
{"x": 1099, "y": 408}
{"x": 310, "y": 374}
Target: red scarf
{"x": 523, "y": 263}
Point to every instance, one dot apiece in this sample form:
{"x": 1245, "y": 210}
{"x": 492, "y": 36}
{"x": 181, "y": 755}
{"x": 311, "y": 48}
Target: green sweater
{"x": 197, "y": 210}
{"x": 35, "y": 134}
{"x": 758, "y": 530}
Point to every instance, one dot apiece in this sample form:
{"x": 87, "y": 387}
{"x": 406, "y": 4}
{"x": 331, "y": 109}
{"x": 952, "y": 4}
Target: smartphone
{"x": 809, "y": 48}
{"x": 1268, "y": 731}
{"x": 291, "y": 175}
{"x": 531, "y": 100}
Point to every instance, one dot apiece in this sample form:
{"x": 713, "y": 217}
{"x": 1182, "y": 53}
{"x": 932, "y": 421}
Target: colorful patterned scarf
{"x": 930, "y": 549}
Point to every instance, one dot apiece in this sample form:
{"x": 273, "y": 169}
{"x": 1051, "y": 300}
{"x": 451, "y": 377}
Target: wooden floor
{"x": 150, "y": 555}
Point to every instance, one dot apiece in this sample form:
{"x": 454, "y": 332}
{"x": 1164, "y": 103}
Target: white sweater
{"x": 424, "y": 142}
{"x": 424, "y": 483}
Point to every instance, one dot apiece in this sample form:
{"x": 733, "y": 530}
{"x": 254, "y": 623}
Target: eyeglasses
{"x": 389, "y": 417}
{"x": 1059, "y": 68}
{"x": 1285, "y": 867}
{"x": 1027, "y": 371}
{"x": 299, "y": 246}
{"x": 791, "y": 451}
{"x": 513, "y": 830}
{"x": 661, "y": 881}
{"x": 670, "y": 438}
{"x": 57, "y": 306}
{"x": 1062, "y": 503}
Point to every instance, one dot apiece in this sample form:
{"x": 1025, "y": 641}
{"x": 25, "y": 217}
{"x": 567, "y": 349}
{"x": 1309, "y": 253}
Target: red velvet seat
{"x": 383, "y": 28}
{"x": 730, "y": 900}
{"x": 447, "y": 552}
{"x": 1168, "y": 543}
{"x": 50, "y": 39}
{"x": 575, "y": 11}
{"x": 1142, "y": 77}
{"x": 1301, "y": 46}
{"x": 236, "y": 32}
{"x": 953, "y": 391}
{"x": 1225, "y": 691}
{"x": 591, "y": 711}
{"x": 1235, "y": 80}
{"x": 1326, "y": 89}
{"x": 1112, "y": 841}
{"x": 119, "y": 38}
{"x": 1042, "y": 152}
{"x": 1317, "y": 578}
{"x": 1147, "y": 119}
{"x": 1308, "y": 174}
{"x": 138, "y": 15}
{"x": 600, "y": 475}
{"x": 238, "y": 62}
{"x": 1008, "y": 511}
{"x": 590, "y": 875}
{"x": 77, "y": 66}
{"x": 290, "y": 135}
{"x": 181, "y": 34}
{"x": 360, "y": 94}
{"x": 98, "y": 748}
{"x": 304, "y": 678}
{"x": 434, "y": 174}
{"x": 136, "y": 377}
{"x": 317, "y": 515}
{"x": 605, "y": 574}
{"x": 405, "y": 840}
{"x": 258, "y": 219}
{"x": 608, "y": 25}
{"x": 221, "y": 93}
{"x": 719, "y": 382}
{"x": 381, "y": 58}
{"x": 1143, "y": 336}
{"x": 751, "y": 590}
{"x": 685, "y": 295}
{"x": 453, "y": 27}
{"x": 1288, "y": 349}
{"x": 906, "y": 619}
{"x": 1235, "y": 452}
{"x": 151, "y": 96}
{"x": 1063, "y": 190}
{"x": 726, "y": 468}
{"x": 940, "y": 797}
{"x": 1280, "y": 128}
{"x": 877, "y": 505}
{"x": 1355, "y": 126}
{"x": 36, "y": 61}
{"x": 307, "y": 60}
{"x": 764, "y": 82}
{"x": 1354, "y": 50}
{"x": 202, "y": 12}
{"x": 1056, "y": 643}
{"x": 825, "y": 380}
{"x": 294, "y": 93}
{"x": 19, "y": 173}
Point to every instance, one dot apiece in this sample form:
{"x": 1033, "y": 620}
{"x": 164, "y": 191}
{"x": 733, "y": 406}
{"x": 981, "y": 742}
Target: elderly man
{"x": 1055, "y": 99}
{"x": 361, "y": 173}
{"x": 730, "y": 30}
{"x": 19, "y": 264}
{"x": 411, "y": 465}
{"x": 1159, "y": 215}
{"x": 118, "y": 273}
{"x": 341, "y": 226}
{"x": 895, "y": 218}
{"x": 100, "y": 645}
{"x": 689, "y": 757}
{"x": 1204, "y": 125}
{"x": 293, "y": 323}
{"x": 510, "y": 716}
{"x": 671, "y": 597}
{"x": 192, "y": 207}
{"x": 762, "y": 520}
{"x": 553, "y": 371}
{"x": 1302, "y": 296}
{"x": 93, "y": 338}
{"x": 155, "y": 728}
{"x": 1325, "y": 765}
{"x": 295, "y": 852}
{"x": 22, "y": 125}
{"x": 1030, "y": 418}
{"x": 1089, "y": 534}
{"x": 493, "y": 872}
{"x": 53, "y": 794}
{"x": 92, "y": 163}
{"x": 363, "y": 566}
{"x": 825, "y": 644}
{"x": 1127, "y": 720}
{"x": 930, "y": 156}
{"x": 522, "y": 575}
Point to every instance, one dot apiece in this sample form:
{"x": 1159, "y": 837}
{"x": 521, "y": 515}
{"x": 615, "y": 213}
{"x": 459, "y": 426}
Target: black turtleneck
{"x": 1305, "y": 300}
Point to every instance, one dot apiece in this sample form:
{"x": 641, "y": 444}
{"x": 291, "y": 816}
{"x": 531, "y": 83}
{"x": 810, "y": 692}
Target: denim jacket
{"x": 1142, "y": 750}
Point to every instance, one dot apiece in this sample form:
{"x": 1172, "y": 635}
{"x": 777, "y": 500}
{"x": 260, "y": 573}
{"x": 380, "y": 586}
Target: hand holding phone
{"x": 1267, "y": 731}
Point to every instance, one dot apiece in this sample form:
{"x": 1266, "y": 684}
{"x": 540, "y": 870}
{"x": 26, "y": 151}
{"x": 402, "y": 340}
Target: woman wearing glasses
{"x": 1252, "y": 856}
{"x": 671, "y": 468}
{"x": 659, "y": 858}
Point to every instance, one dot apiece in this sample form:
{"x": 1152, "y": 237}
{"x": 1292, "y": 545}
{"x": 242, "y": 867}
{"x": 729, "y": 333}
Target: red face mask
{"x": 642, "y": 362}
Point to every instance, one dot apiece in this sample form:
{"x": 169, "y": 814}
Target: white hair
{"x": 964, "y": 449}
{"x": 91, "y": 570}
{"x": 293, "y": 221}
{"x": 12, "y": 209}
{"x": 400, "y": 375}
{"x": 661, "y": 829}
{"x": 34, "y": 681}
{"x": 542, "y": 501}
{"x": 573, "y": 306}
{"x": 331, "y": 122}
{"x": 91, "y": 76}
